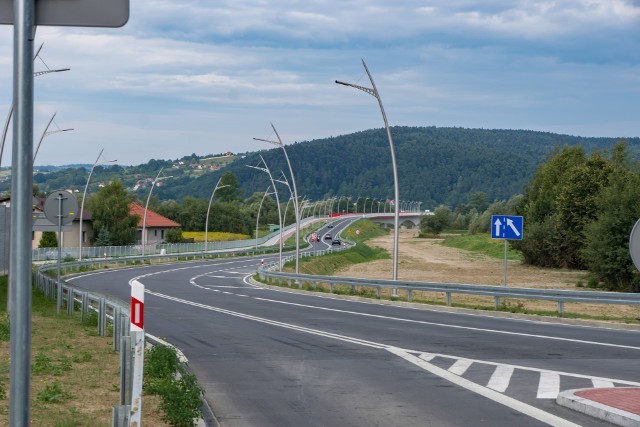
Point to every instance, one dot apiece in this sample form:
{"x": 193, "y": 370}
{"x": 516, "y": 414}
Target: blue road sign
{"x": 506, "y": 227}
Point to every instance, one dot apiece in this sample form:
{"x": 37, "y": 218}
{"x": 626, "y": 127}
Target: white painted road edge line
{"x": 473, "y": 387}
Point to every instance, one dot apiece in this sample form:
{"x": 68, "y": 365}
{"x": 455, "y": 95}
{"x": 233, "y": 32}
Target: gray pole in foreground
{"x": 373, "y": 91}
{"x": 21, "y": 206}
{"x": 295, "y": 194}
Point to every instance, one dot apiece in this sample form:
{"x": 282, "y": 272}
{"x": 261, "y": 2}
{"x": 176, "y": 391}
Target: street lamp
{"x": 10, "y": 114}
{"x": 373, "y": 91}
{"x": 295, "y": 192}
{"x": 206, "y": 223}
{"x": 46, "y": 132}
{"x": 84, "y": 194}
{"x": 258, "y": 215}
{"x": 146, "y": 206}
{"x": 266, "y": 170}
{"x": 284, "y": 181}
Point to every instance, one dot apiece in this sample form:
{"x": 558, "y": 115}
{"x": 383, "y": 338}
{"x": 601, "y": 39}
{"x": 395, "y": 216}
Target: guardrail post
{"x": 126, "y": 357}
{"x": 120, "y": 416}
{"x": 409, "y": 295}
{"x": 331, "y": 287}
{"x": 497, "y": 302}
{"x": 560, "y": 308}
{"x": 117, "y": 320}
{"x": 102, "y": 317}
{"x": 378, "y": 291}
{"x": 85, "y": 305}
{"x": 448, "y": 296}
{"x": 70, "y": 301}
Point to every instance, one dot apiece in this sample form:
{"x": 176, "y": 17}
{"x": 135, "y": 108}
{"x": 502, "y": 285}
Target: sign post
{"x": 60, "y": 208}
{"x": 137, "y": 333}
{"x": 506, "y": 227}
{"x": 24, "y": 16}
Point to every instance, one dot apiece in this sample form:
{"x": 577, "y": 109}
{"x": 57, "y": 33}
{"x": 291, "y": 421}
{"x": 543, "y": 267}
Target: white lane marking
{"x": 548, "y": 386}
{"x": 444, "y": 325}
{"x": 500, "y": 379}
{"x": 500, "y": 398}
{"x": 460, "y": 366}
{"x": 403, "y": 353}
{"x": 271, "y": 322}
{"x": 427, "y": 357}
{"x": 599, "y": 383}
{"x": 242, "y": 295}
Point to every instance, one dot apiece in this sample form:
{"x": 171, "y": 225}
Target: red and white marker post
{"x": 137, "y": 333}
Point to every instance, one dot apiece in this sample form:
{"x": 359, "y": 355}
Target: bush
{"x": 178, "y": 390}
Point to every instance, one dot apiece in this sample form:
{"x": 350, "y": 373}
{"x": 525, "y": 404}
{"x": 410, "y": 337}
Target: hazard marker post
{"x": 137, "y": 334}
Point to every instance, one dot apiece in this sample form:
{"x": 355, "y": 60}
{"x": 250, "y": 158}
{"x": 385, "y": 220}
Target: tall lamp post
{"x": 373, "y": 91}
{"x": 258, "y": 215}
{"x": 146, "y": 207}
{"x": 84, "y": 195}
{"x": 10, "y": 114}
{"x": 206, "y": 222}
{"x": 295, "y": 192}
{"x": 46, "y": 133}
{"x": 266, "y": 170}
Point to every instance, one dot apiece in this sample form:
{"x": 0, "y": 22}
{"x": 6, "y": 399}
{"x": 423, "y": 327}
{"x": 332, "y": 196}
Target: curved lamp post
{"x": 206, "y": 223}
{"x": 146, "y": 206}
{"x": 46, "y": 133}
{"x": 284, "y": 181}
{"x": 84, "y": 195}
{"x": 10, "y": 114}
{"x": 258, "y": 215}
{"x": 373, "y": 91}
{"x": 266, "y": 170}
{"x": 295, "y": 192}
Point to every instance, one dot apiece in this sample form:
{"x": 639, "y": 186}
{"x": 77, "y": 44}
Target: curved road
{"x": 274, "y": 357}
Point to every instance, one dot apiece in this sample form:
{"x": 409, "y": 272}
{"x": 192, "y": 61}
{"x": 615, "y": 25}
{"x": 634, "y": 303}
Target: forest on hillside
{"x": 435, "y": 166}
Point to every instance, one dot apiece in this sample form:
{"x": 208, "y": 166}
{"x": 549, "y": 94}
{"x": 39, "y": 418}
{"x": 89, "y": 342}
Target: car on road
{"x": 330, "y": 226}
{"x": 327, "y": 236}
{"x": 335, "y": 242}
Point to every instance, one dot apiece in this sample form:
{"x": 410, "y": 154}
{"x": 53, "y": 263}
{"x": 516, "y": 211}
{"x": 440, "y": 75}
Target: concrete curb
{"x": 612, "y": 415}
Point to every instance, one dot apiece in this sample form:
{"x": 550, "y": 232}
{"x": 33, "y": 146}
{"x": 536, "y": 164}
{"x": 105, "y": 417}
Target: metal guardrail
{"x": 48, "y": 254}
{"x": 497, "y": 292}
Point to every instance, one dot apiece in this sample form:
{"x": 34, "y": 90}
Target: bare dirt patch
{"x": 427, "y": 260}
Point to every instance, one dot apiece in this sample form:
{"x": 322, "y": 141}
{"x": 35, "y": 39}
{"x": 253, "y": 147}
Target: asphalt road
{"x": 274, "y": 357}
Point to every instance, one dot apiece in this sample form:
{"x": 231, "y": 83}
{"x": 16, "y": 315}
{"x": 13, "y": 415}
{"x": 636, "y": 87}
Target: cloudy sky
{"x": 204, "y": 76}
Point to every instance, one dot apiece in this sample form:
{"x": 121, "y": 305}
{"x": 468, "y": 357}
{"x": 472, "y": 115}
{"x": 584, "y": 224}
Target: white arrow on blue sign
{"x": 506, "y": 227}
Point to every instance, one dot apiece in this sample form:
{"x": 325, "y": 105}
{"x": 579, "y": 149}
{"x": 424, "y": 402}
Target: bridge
{"x": 407, "y": 219}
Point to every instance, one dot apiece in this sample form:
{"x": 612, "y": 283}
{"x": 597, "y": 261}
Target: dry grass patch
{"x": 75, "y": 376}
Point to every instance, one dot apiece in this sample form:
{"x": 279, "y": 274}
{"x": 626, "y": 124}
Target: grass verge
{"x": 482, "y": 244}
{"x": 74, "y": 371}
{"x": 358, "y": 232}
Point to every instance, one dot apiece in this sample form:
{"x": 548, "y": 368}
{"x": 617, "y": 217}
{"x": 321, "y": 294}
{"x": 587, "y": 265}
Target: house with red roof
{"x": 155, "y": 229}
{"x": 156, "y": 225}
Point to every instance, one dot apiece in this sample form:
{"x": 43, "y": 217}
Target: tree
{"x": 606, "y": 251}
{"x": 174, "y": 235}
{"x": 48, "y": 240}
{"x": 434, "y": 224}
{"x": 232, "y": 192}
{"x": 110, "y": 211}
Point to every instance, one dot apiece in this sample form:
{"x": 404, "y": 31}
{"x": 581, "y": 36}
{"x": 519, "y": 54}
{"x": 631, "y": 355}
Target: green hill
{"x": 436, "y": 165}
